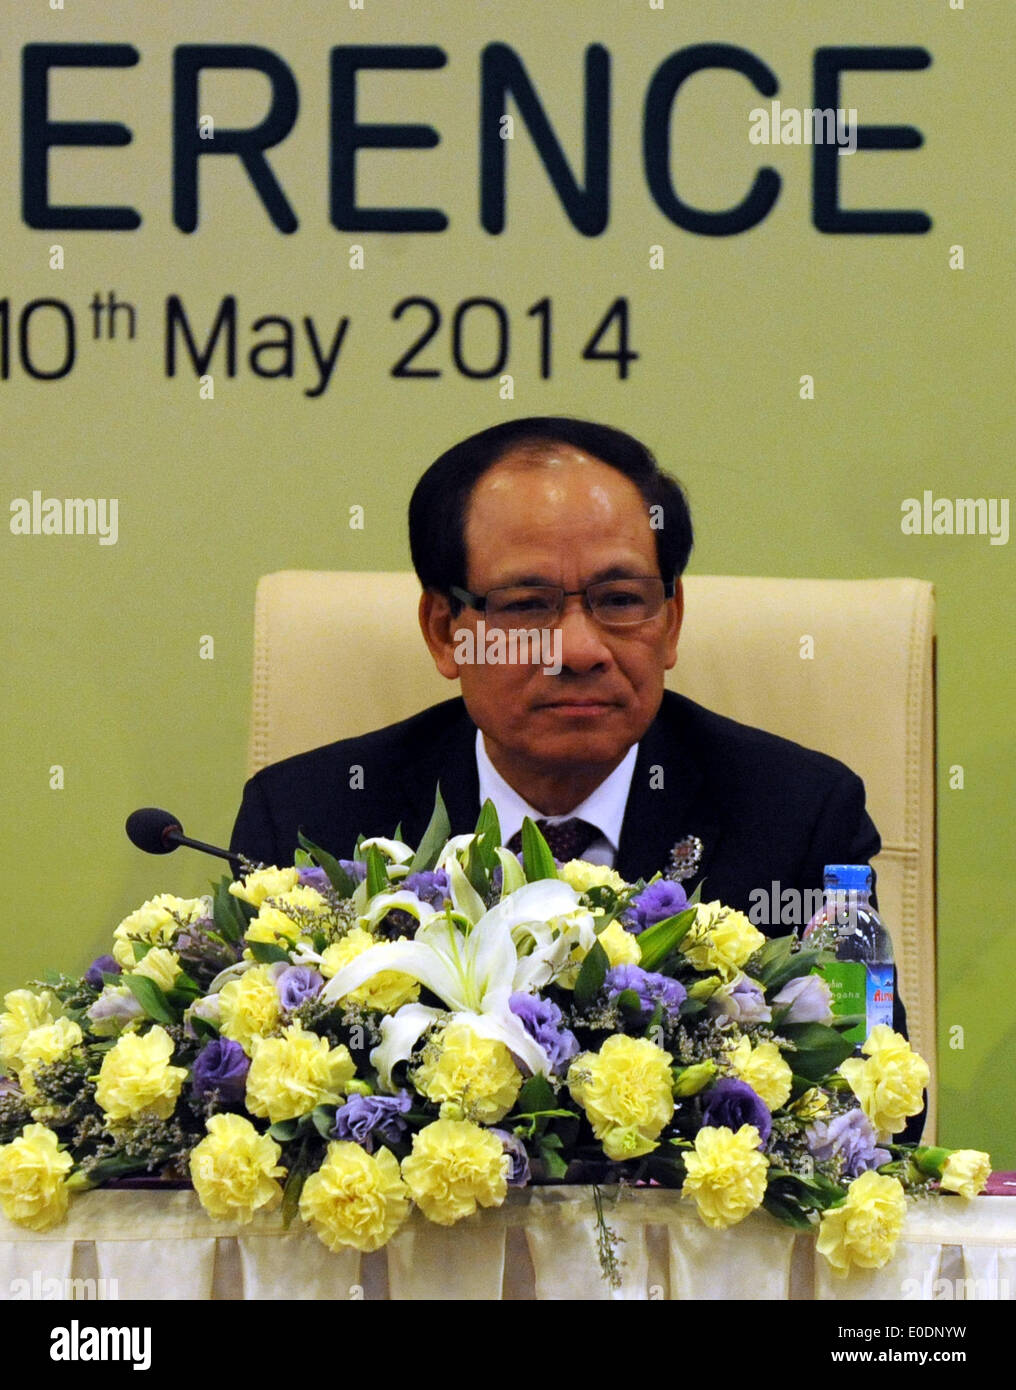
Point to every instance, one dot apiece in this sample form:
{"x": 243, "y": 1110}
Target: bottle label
{"x": 847, "y": 981}
{"x": 880, "y": 996}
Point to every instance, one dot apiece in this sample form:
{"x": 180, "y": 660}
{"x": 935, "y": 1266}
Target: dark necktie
{"x": 567, "y": 839}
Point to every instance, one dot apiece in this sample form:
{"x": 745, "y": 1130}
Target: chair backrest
{"x": 844, "y": 666}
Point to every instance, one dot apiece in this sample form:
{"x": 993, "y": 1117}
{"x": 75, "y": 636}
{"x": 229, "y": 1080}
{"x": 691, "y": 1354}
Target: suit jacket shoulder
{"x": 364, "y": 785}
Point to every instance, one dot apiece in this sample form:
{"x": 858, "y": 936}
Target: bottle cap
{"x": 848, "y": 877}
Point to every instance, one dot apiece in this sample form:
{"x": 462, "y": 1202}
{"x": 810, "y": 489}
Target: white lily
{"x": 395, "y": 850}
{"x": 473, "y": 970}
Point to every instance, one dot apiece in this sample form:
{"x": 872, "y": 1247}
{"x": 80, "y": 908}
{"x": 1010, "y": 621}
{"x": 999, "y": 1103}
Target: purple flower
{"x": 733, "y": 1103}
{"x": 220, "y": 1066}
{"x": 296, "y": 984}
{"x": 651, "y": 989}
{"x": 355, "y": 868}
{"x": 849, "y": 1136}
{"x": 430, "y": 886}
{"x": 518, "y": 1173}
{"x": 809, "y": 1000}
{"x": 93, "y": 975}
{"x": 314, "y": 877}
{"x": 363, "y": 1118}
{"x": 654, "y": 904}
{"x": 115, "y": 1007}
{"x": 542, "y": 1020}
{"x": 744, "y": 1001}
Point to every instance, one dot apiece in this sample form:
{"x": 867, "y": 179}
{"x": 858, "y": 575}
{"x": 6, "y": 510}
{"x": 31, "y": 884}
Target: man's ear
{"x": 675, "y": 617}
{"x": 438, "y": 625}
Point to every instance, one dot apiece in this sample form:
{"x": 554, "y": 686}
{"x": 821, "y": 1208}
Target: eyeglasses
{"x": 613, "y": 602}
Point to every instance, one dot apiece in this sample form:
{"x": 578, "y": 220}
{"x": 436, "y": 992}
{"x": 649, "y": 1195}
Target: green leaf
{"x": 324, "y": 1120}
{"x": 344, "y": 884}
{"x": 801, "y": 962}
{"x": 820, "y": 1050}
{"x": 291, "y": 1193}
{"x": 786, "y": 1212}
{"x": 481, "y": 858}
{"x": 629, "y": 1001}
{"x": 226, "y": 911}
{"x": 536, "y": 1094}
{"x": 377, "y": 872}
{"x": 438, "y": 832}
{"x": 204, "y": 1030}
{"x": 555, "y": 1164}
{"x": 302, "y": 860}
{"x": 844, "y": 1022}
{"x": 284, "y": 1130}
{"x": 151, "y": 998}
{"x": 537, "y": 859}
{"x": 266, "y": 952}
{"x": 771, "y": 958}
{"x": 591, "y": 976}
{"x": 696, "y": 896}
{"x": 657, "y": 941}
{"x": 398, "y": 832}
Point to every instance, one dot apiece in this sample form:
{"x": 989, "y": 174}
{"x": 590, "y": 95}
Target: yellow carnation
{"x": 281, "y": 922}
{"x": 726, "y": 1174}
{"x": 891, "y": 1082}
{"x": 764, "y": 1070}
{"x": 249, "y": 1007}
{"x": 290, "y": 1075}
{"x": 472, "y": 1077}
{"x": 234, "y": 1169}
{"x": 157, "y": 923}
{"x": 721, "y": 939}
{"x": 455, "y": 1165}
{"x": 355, "y": 1199}
{"x": 626, "y": 1090}
{"x": 966, "y": 1171}
{"x": 159, "y": 965}
{"x": 136, "y": 1076}
{"x": 32, "y": 1171}
{"x": 865, "y": 1229}
{"x": 48, "y": 1043}
{"x": 385, "y": 991}
{"x": 264, "y": 883}
{"x": 621, "y": 946}
{"x": 23, "y": 1011}
{"x": 582, "y": 876}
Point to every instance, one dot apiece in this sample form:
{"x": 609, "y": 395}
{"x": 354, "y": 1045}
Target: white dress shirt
{"x": 604, "y": 807}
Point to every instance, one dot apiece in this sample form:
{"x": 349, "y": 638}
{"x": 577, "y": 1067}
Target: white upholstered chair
{"x": 844, "y": 666}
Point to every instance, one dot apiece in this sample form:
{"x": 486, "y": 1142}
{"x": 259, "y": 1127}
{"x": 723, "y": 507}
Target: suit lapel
{"x": 669, "y": 799}
{"x": 451, "y": 761}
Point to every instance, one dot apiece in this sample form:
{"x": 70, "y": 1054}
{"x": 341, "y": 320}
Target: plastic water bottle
{"x": 860, "y": 980}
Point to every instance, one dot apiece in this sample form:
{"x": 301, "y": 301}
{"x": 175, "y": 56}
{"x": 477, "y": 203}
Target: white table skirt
{"x": 540, "y": 1244}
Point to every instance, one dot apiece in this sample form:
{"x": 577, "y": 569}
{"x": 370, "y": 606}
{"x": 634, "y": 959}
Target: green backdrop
{"x": 911, "y": 360}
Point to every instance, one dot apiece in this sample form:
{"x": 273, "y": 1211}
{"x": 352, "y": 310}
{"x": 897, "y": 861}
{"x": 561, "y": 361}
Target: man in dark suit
{"x": 571, "y": 529}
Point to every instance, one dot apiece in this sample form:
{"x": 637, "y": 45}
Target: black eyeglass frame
{"x": 479, "y": 601}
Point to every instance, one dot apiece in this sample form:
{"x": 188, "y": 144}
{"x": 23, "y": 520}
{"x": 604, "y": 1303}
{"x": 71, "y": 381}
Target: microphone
{"x": 159, "y": 832}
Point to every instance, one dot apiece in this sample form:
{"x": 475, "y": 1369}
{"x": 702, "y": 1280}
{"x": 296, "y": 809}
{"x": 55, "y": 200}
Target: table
{"x": 541, "y": 1244}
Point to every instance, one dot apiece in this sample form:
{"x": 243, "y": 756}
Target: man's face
{"x": 560, "y": 518}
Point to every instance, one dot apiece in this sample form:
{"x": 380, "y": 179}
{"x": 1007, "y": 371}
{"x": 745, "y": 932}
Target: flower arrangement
{"x": 428, "y": 1028}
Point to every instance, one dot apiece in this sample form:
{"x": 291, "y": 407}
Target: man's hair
{"x": 437, "y": 509}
